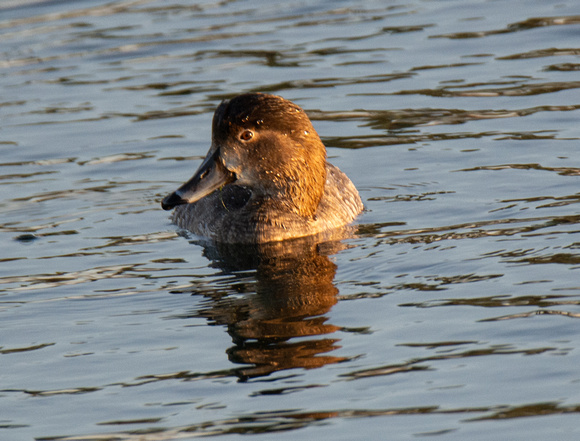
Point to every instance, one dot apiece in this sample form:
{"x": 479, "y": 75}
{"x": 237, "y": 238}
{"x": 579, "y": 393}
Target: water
{"x": 450, "y": 315}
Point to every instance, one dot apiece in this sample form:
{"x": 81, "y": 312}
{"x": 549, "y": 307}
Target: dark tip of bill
{"x": 171, "y": 201}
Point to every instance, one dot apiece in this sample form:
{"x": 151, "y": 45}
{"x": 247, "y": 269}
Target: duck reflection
{"x": 279, "y": 323}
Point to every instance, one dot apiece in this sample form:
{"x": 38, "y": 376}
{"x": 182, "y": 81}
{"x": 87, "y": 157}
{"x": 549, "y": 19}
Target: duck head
{"x": 266, "y": 144}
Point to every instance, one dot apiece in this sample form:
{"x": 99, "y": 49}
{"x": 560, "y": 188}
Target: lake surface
{"x": 453, "y": 313}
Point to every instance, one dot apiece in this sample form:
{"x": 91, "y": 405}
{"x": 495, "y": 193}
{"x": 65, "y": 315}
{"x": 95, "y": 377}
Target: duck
{"x": 265, "y": 178}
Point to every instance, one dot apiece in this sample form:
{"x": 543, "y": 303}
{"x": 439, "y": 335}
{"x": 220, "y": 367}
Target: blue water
{"x": 451, "y": 314}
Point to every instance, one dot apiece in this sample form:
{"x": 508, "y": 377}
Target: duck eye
{"x": 246, "y": 135}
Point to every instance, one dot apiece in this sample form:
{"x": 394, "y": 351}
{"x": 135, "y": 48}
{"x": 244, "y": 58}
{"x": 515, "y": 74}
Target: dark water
{"x": 452, "y": 314}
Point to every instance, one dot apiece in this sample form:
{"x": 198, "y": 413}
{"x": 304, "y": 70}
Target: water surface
{"x": 452, "y": 313}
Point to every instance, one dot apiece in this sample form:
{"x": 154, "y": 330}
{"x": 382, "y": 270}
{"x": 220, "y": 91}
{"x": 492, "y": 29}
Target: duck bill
{"x": 210, "y": 176}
